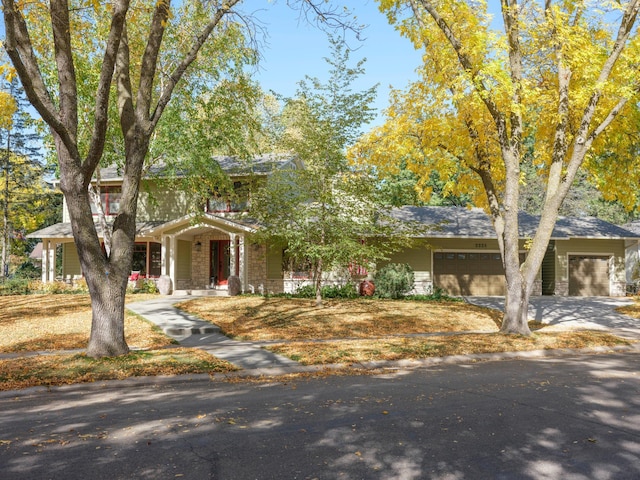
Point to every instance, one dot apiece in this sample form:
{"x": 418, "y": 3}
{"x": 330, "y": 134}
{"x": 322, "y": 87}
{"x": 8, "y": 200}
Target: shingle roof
{"x": 63, "y": 230}
{"x": 259, "y": 165}
{"x": 633, "y": 226}
{"x": 461, "y": 222}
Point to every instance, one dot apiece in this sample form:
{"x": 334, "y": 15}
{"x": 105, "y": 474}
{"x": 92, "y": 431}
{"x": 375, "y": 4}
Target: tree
{"x": 24, "y": 199}
{"x": 560, "y": 74}
{"x": 322, "y": 212}
{"x": 129, "y": 58}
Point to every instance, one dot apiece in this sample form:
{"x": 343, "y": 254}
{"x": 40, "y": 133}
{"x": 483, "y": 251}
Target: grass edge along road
{"x": 344, "y": 331}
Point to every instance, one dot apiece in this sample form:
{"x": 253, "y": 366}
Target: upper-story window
{"x": 238, "y": 202}
{"x": 110, "y": 198}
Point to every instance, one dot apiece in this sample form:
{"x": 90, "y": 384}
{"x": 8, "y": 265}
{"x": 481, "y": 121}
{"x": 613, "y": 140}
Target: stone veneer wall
{"x": 201, "y": 261}
{"x": 257, "y": 281}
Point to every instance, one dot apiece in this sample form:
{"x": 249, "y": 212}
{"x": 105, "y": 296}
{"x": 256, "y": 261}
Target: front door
{"x": 220, "y": 261}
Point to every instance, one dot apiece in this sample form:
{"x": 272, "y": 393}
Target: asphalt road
{"x": 558, "y": 418}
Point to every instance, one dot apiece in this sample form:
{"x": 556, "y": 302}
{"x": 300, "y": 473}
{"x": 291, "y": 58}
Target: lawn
{"x": 351, "y": 331}
{"x": 343, "y": 331}
{"x": 267, "y": 318}
{"x": 56, "y": 323}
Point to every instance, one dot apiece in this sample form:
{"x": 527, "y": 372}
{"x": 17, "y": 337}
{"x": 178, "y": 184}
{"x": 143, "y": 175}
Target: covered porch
{"x": 201, "y": 253}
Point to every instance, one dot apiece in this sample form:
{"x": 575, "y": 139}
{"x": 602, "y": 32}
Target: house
{"x": 585, "y": 257}
{"x": 460, "y": 254}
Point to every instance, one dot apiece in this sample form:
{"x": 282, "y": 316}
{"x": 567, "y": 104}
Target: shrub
{"x": 438, "y": 295}
{"x": 347, "y": 290}
{"x": 148, "y": 286}
{"x": 27, "y": 270}
{"x": 15, "y": 286}
{"x": 394, "y": 280}
{"x": 80, "y": 286}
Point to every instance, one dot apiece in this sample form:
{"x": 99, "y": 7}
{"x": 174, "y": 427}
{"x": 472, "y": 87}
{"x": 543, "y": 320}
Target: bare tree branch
{"x": 117, "y": 29}
{"x": 176, "y": 75}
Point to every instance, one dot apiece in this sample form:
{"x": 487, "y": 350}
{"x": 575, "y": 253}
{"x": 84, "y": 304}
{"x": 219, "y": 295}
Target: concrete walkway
{"x": 192, "y": 331}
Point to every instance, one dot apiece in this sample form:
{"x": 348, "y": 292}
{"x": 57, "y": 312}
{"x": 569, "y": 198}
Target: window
{"x": 140, "y": 252}
{"x": 110, "y": 198}
{"x": 237, "y": 202}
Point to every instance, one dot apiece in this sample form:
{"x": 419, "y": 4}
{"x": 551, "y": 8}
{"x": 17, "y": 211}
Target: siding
{"x": 70, "y": 260}
{"x": 274, "y": 262}
{"x": 419, "y": 259}
{"x": 163, "y": 205}
{"x": 184, "y": 260}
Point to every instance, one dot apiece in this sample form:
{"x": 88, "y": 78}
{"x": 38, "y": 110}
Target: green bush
{"x": 394, "y": 280}
{"x": 347, "y": 290}
{"x": 438, "y": 295}
{"x": 27, "y": 270}
{"x": 15, "y": 286}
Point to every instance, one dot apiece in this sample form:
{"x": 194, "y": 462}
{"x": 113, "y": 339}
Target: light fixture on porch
{"x": 198, "y": 246}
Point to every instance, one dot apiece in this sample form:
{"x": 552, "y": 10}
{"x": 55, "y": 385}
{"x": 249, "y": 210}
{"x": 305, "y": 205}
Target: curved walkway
{"x": 191, "y": 331}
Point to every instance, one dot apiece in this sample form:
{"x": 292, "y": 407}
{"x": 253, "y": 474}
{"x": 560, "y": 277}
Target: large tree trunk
{"x": 107, "y": 321}
{"x": 106, "y": 275}
{"x": 516, "y": 318}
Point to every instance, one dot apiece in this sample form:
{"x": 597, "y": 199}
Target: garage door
{"x": 469, "y": 273}
{"x": 588, "y": 275}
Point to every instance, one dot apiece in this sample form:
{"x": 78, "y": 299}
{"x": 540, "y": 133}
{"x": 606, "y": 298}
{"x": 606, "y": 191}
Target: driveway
{"x": 575, "y": 312}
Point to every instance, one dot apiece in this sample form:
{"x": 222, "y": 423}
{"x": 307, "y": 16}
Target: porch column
{"x": 51, "y": 253}
{"x": 232, "y": 254}
{"x": 173, "y": 261}
{"x": 163, "y": 255}
{"x": 45, "y": 260}
{"x": 243, "y": 263}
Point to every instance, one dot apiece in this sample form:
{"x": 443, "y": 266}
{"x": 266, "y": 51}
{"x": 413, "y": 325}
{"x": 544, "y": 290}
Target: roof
{"x": 633, "y": 226}
{"x": 462, "y": 222}
{"x": 444, "y": 222}
{"x": 234, "y": 166}
{"x": 63, "y": 230}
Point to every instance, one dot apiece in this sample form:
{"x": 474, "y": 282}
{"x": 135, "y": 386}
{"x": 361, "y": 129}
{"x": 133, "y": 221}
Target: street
{"x": 573, "y": 417}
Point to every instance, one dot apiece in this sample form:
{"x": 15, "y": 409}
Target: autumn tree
{"x": 557, "y": 79}
{"x": 323, "y": 212}
{"x": 47, "y": 44}
{"x": 25, "y": 200}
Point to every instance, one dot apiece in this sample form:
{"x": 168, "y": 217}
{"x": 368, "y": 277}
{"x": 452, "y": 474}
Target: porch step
{"x": 202, "y": 293}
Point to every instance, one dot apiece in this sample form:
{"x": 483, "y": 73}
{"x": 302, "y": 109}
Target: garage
{"x": 469, "y": 273}
{"x": 589, "y": 275}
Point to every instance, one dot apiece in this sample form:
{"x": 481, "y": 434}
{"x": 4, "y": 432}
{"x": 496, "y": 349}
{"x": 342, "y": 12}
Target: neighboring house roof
{"x": 259, "y": 165}
{"x": 36, "y": 253}
{"x": 462, "y": 222}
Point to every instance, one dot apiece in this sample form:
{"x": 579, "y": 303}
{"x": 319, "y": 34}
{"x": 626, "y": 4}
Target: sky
{"x": 292, "y": 48}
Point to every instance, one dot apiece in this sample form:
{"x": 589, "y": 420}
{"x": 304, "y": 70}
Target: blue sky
{"x": 292, "y": 49}
{"x": 295, "y": 49}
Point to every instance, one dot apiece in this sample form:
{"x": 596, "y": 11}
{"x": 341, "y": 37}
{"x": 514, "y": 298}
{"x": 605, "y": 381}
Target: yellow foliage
{"x": 443, "y": 123}
{"x": 7, "y": 109}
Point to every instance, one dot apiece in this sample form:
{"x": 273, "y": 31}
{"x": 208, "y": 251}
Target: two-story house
{"x": 196, "y": 251}
{"x": 586, "y": 256}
